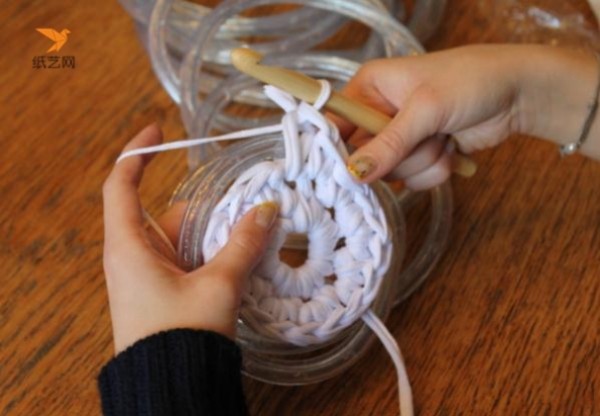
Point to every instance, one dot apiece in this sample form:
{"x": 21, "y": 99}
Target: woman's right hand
{"x": 478, "y": 94}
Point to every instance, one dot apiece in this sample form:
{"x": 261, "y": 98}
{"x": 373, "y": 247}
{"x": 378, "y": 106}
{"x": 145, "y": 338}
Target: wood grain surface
{"x": 507, "y": 324}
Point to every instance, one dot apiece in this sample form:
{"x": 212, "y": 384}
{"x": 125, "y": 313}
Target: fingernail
{"x": 266, "y": 214}
{"x": 361, "y": 167}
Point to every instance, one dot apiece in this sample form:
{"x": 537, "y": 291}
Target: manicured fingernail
{"x": 361, "y": 167}
{"x": 266, "y": 214}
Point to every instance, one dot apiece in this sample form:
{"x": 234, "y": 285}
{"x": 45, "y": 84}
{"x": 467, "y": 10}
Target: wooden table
{"x": 507, "y": 323}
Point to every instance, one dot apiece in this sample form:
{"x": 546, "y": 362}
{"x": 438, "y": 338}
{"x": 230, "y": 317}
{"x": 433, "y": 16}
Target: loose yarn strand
{"x": 159, "y": 231}
{"x": 298, "y": 304}
{"x": 187, "y": 143}
{"x": 390, "y": 344}
{"x": 236, "y": 135}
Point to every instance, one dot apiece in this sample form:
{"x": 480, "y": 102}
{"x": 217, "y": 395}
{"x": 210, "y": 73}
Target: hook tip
{"x": 242, "y": 58}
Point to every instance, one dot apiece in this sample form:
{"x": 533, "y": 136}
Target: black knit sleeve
{"x": 177, "y": 372}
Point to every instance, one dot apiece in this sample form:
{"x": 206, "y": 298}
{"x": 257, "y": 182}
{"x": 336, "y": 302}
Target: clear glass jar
{"x": 274, "y": 361}
{"x": 264, "y": 358}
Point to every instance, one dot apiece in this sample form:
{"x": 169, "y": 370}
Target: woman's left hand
{"x": 148, "y": 292}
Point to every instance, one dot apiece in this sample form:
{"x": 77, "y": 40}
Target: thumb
{"x": 246, "y": 244}
{"x": 420, "y": 118}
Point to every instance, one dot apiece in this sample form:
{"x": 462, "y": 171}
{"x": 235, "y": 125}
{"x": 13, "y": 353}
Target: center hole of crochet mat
{"x": 294, "y": 252}
{"x": 301, "y": 261}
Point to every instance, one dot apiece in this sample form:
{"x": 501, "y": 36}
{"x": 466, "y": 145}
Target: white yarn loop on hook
{"x": 349, "y": 247}
{"x": 324, "y": 94}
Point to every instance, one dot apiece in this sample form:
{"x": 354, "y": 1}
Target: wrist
{"x": 556, "y": 89}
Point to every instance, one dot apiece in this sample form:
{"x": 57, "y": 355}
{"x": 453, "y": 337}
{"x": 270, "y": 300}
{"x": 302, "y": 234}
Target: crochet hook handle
{"x": 307, "y": 89}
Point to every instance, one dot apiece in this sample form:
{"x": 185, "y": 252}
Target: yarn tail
{"x": 390, "y": 344}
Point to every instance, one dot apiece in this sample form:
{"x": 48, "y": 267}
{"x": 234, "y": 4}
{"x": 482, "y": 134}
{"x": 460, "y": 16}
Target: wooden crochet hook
{"x": 307, "y": 89}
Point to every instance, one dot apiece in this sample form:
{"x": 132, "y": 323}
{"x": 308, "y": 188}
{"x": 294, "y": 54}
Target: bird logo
{"x": 59, "y": 38}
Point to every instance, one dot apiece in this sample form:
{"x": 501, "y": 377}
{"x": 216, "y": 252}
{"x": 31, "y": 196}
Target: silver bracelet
{"x": 570, "y": 148}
